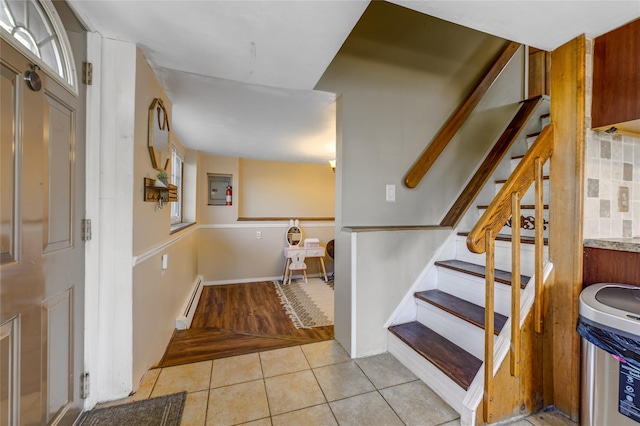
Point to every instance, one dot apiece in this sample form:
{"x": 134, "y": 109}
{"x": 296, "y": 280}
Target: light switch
{"x": 259, "y": 234}
{"x": 391, "y": 193}
{"x": 623, "y": 199}
{"x": 165, "y": 261}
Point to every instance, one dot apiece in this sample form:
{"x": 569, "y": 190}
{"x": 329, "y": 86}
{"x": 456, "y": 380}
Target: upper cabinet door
{"x": 616, "y": 80}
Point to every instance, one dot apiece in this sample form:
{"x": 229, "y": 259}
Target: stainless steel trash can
{"x": 610, "y": 326}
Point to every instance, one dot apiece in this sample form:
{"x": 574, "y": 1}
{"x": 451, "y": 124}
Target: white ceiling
{"x": 240, "y": 74}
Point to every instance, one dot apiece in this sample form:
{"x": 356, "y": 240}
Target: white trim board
{"x": 265, "y": 225}
{"x": 151, "y": 252}
{"x": 148, "y": 254}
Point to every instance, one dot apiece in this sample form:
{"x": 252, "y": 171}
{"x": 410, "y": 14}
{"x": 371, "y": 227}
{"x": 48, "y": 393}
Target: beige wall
{"x": 219, "y": 165}
{"x": 150, "y": 225}
{"x": 157, "y": 294}
{"x": 229, "y": 250}
{"x": 158, "y": 297}
{"x": 301, "y": 190}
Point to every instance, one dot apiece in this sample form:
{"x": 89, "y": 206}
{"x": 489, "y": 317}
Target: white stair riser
{"x": 545, "y": 168}
{"x": 431, "y": 375}
{"x": 524, "y": 232}
{"x": 502, "y": 255}
{"x": 472, "y": 289}
{"x": 530, "y": 196}
{"x": 543, "y": 123}
{"x": 468, "y": 336}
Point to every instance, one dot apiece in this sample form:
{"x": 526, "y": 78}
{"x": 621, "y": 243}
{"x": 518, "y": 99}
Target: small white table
{"x": 317, "y": 252}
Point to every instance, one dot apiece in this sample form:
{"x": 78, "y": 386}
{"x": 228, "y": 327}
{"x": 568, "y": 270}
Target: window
{"x": 36, "y": 30}
{"x": 177, "y": 166}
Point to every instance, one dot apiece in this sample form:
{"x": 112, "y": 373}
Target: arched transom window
{"x": 35, "y": 26}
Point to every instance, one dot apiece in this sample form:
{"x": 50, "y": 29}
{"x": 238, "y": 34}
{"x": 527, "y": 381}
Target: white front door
{"x": 42, "y": 253}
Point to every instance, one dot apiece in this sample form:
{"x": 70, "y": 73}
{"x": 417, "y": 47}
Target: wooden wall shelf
{"x": 153, "y": 193}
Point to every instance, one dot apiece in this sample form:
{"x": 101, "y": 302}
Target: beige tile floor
{"x": 315, "y": 384}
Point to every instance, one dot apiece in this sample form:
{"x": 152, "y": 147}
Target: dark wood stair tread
{"x": 461, "y": 308}
{"x": 458, "y": 364}
{"x": 507, "y": 237}
{"x": 501, "y": 276}
{"x": 503, "y": 181}
{"x": 522, "y": 206}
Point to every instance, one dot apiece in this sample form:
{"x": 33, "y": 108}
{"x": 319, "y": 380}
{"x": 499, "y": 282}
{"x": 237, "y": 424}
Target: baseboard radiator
{"x": 189, "y": 308}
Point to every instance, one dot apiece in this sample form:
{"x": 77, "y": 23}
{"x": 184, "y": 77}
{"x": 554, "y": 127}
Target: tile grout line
{"x": 380, "y": 393}
{"x": 264, "y": 386}
{"x": 206, "y": 407}
{"x": 155, "y": 382}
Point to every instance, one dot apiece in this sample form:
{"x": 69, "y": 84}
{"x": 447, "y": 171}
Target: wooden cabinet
{"x": 610, "y": 266}
{"x": 616, "y": 80}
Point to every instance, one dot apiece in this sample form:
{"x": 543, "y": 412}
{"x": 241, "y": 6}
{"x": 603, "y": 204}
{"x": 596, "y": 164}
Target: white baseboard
{"x": 183, "y": 321}
{"x": 243, "y": 280}
{"x": 260, "y": 279}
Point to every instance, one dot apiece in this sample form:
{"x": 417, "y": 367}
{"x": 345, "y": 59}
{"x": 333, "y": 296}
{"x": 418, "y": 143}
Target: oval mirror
{"x": 294, "y": 236}
{"x": 159, "y": 135}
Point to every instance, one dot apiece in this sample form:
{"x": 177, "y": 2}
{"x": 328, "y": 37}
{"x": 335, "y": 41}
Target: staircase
{"x": 445, "y": 344}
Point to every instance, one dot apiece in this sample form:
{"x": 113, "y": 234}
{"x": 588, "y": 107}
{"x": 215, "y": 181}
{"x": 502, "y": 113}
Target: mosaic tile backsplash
{"x": 612, "y": 161}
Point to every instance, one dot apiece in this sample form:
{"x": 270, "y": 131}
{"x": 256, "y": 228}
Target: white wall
{"x": 397, "y": 92}
{"x": 400, "y": 257}
{"x": 110, "y": 141}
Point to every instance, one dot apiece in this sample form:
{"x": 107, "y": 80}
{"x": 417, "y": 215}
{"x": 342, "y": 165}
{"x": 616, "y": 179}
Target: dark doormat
{"x": 161, "y": 411}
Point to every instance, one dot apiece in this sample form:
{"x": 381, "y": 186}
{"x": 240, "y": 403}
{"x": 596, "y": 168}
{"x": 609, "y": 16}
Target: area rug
{"x": 308, "y": 304}
{"x": 161, "y": 411}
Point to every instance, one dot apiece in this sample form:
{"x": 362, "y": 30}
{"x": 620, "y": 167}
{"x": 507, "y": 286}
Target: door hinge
{"x": 87, "y": 73}
{"x": 86, "y": 229}
{"x": 84, "y": 386}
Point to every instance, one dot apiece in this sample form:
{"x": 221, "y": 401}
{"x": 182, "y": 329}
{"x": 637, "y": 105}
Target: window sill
{"x": 177, "y": 227}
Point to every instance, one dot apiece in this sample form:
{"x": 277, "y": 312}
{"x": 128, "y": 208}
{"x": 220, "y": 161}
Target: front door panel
{"x": 42, "y": 272}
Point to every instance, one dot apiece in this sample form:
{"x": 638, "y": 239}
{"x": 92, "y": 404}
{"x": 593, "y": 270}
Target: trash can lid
{"x": 625, "y": 298}
{"x": 615, "y": 306}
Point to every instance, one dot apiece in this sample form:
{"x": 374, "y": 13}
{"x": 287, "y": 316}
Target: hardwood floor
{"x": 237, "y": 319}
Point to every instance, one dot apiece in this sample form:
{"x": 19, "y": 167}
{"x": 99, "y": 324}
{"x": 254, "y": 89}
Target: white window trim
{"x": 176, "y": 152}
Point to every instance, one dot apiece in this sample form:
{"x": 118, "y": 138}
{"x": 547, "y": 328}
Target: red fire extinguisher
{"x": 228, "y": 197}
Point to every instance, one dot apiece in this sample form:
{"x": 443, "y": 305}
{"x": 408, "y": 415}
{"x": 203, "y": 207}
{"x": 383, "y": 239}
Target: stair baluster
{"x": 515, "y": 285}
{"x": 537, "y": 307}
{"x": 482, "y": 236}
{"x": 488, "y": 321}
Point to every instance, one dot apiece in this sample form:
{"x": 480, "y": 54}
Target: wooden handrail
{"x": 457, "y": 119}
{"x": 520, "y": 180}
{"x": 491, "y": 162}
{"x": 482, "y": 237}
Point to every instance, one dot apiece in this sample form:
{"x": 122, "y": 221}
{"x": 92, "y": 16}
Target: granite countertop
{"x": 620, "y": 244}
